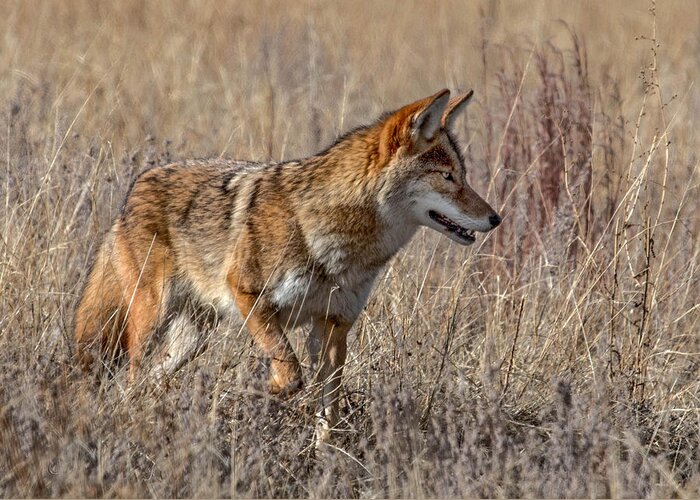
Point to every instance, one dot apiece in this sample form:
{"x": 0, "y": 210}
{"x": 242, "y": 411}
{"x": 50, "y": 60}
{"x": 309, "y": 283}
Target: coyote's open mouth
{"x": 466, "y": 234}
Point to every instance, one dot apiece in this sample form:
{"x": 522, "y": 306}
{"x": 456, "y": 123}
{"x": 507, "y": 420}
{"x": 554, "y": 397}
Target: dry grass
{"x": 559, "y": 357}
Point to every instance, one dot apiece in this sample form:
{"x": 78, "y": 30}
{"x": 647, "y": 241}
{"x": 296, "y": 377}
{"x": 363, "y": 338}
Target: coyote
{"x": 286, "y": 243}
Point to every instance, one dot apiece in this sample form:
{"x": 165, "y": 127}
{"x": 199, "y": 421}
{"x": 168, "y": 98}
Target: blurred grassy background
{"x": 558, "y": 357}
{"x": 198, "y": 71}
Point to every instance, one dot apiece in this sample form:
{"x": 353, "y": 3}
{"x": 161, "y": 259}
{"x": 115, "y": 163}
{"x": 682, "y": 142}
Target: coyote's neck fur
{"x": 350, "y": 221}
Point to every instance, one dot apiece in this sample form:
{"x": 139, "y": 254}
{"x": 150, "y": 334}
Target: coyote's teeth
{"x": 451, "y": 225}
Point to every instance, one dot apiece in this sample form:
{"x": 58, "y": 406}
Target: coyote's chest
{"x": 336, "y": 283}
{"x": 340, "y": 277}
{"x": 303, "y": 294}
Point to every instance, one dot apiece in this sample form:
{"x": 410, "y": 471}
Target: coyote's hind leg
{"x": 182, "y": 343}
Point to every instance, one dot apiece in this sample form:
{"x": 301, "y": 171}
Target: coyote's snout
{"x": 284, "y": 243}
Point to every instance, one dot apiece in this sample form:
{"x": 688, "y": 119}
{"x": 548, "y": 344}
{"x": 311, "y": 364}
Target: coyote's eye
{"x": 447, "y": 176}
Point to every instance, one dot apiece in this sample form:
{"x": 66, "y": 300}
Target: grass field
{"x": 557, "y": 357}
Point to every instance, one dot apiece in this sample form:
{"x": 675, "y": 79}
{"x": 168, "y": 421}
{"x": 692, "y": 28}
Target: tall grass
{"x": 557, "y": 357}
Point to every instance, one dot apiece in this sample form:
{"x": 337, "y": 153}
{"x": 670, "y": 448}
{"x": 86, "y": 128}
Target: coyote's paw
{"x": 285, "y": 378}
{"x": 287, "y": 390}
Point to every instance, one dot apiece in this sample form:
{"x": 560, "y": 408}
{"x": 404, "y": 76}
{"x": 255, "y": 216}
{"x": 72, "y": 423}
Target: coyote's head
{"x": 425, "y": 170}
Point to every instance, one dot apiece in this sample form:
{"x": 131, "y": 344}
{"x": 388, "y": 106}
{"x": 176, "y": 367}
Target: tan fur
{"x": 285, "y": 244}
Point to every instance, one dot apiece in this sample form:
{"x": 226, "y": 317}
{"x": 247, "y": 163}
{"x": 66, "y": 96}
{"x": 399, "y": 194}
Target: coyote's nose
{"x": 495, "y": 220}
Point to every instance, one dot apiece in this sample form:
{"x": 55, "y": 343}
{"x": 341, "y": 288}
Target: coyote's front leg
{"x": 263, "y": 324}
{"x": 328, "y": 342}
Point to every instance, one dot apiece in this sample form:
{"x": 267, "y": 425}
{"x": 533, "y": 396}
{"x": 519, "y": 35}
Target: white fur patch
{"x": 301, "y": 297}
{"x": 292, "y": 289}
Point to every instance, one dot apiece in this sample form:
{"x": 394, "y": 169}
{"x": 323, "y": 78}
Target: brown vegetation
{"x": 559, "y": 356}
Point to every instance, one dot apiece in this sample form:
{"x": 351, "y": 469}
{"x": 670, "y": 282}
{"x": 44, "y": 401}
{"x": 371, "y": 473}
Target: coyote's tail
{"x": 99, "y": 320}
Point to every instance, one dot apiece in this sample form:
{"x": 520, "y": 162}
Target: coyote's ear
{"x": 455, "y": 107}
{"x": 414, "y": 126}
{"x": 426, "y": 122}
